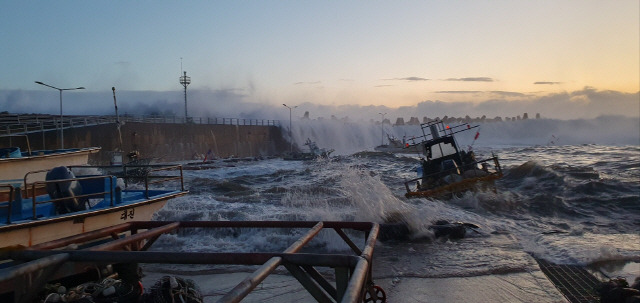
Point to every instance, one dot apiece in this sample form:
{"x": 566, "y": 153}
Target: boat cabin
{"x": 445, "y": 167}
{"x": 443, "y": 155}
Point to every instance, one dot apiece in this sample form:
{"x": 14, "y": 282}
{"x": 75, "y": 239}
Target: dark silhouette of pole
{"x": 117, "y": 117}
{"x": 290, "y": 137}
{"x": 61, "y": 122}
{"x": 184, "y": 80}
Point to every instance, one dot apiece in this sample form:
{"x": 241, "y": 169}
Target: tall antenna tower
{"x": 184, "y": 80}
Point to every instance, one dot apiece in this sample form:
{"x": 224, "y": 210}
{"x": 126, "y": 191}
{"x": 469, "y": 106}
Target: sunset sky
{"x": 325, "y": 52}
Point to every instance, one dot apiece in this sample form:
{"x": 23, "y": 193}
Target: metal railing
{"x": 137, "y": 172}
{"x": 32, "y": 190}
{"x": 200, "y": 120}
{"x": 352, "y": 270}
{"x": 40, "y": 184}
{"x": 22, "y": 125}
{"x": 163, "y": 178}
{"x": 7, "y": 191}
{"x": 27, "y": 124}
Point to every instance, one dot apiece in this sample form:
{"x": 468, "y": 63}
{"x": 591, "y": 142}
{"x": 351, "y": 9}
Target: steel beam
{"x": 247, "y": 285}
{"x": 352, "y": 270}
{"x": 308, "y": 283}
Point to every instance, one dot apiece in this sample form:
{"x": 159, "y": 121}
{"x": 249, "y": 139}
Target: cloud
{"x": 546, "y": 83}
{"x": 238, "y": 103}
{"x": 409, "y": 79}
{"x": 472, "y": 79}
{"x": 508, "y": 94}
{"x": 307, "y": 83}
{"x": 495, "y": 92}
{"x": 459, "y": 92}
{"x": 383, "y": 85}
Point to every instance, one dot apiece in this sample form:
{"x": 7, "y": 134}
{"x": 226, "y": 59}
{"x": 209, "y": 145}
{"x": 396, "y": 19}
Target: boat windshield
{"x": 440, "y": 150}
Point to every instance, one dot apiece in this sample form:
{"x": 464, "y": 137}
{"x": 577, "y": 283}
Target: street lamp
{"x": 185, "y": 80}
{"x": 61, "y": 123}
{"x": 382, "y": 128}
{"x": 290, "y": 137}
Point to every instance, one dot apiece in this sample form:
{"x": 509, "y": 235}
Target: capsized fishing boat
{"x": 314, "y": 152}
{"x": 76, "y": 204}
{"x": 446, "y": 169}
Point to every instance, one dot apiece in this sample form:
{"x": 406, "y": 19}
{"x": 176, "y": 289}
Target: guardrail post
{"x": 42, "y": 132}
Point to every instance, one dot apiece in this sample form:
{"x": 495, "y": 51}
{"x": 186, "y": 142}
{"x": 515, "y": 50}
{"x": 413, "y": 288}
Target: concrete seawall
{"x": 166, "y": 141}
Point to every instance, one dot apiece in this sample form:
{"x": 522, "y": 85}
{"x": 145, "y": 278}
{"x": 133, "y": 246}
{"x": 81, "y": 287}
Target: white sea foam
{"x": 561, "y": 203}
{"x": 350, "y": 137}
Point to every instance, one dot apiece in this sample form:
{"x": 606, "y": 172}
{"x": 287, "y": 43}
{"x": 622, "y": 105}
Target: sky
{"x": 564, "y": 58}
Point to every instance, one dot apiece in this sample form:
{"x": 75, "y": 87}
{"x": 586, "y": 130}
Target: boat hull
{"x": 39, "y": 231}
{"x": 455, "y": 188}
{"x": 15, "y": 169}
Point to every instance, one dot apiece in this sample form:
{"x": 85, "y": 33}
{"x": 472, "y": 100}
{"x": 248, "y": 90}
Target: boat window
{"x": 442, "y": 149}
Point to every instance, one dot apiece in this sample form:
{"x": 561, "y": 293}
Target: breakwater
{"x": 163, "y": 141}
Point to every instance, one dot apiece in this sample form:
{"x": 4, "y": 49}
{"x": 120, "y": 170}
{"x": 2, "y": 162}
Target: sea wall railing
{"x": 26, "y": 124}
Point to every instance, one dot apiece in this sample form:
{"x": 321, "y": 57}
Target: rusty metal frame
{"x": 129, "y": 242}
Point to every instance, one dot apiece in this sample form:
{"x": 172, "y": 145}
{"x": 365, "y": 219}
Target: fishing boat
{"x": 395, "y": 146}
{"x": 76, "y": 204}
{"x": 314, "y": 152}
{"x": 15, "y": 164}
{"x": 446, "y": 169}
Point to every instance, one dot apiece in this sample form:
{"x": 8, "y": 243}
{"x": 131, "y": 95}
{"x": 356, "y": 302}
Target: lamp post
{"x": 61, "y": 123}
{"x": 184, "y": 80}
{"x": 382, "y": 128}
{"x": 290, "y": 137}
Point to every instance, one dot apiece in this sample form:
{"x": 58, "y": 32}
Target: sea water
{"x": 570, "y": 195}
